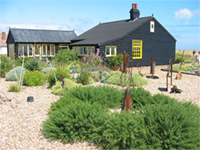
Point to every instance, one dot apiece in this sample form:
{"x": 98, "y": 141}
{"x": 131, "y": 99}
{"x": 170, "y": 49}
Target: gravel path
{"x": 20, "y": 121}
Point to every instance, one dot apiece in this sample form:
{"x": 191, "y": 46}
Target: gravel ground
{"x": 20, "y": 122}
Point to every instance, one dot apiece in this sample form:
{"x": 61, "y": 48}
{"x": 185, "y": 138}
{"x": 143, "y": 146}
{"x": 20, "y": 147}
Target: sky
{"x": 181, "y": 18}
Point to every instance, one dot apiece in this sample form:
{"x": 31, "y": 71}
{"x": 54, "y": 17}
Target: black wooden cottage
{"x": 37, "y": 43}
{"x": 141, "y": 38}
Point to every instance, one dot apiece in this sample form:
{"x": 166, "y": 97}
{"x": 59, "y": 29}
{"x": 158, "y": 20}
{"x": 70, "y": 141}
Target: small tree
{"x": 65, "y": 56}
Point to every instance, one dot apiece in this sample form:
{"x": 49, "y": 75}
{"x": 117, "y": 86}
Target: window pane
{"x": 44, "y": 50}
{"x": 107, "y": 51}
{"x": 30, "y": 50}
{"x": 52, "y": 49}
{"x": 37, "y": 49}
{"x": 20, "y": 50}
{"x": 81, "y": 50}
{"x": 25, "y": 50}
{"x": 85, "y": 50}
{"x": 48, "y": 49}
{"x": 112, "y": 51}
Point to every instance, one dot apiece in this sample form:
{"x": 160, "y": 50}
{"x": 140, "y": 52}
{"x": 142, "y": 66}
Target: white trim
{"x": 152, "y": 26}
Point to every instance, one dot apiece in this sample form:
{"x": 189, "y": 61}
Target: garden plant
{"x": 158, "y": 122}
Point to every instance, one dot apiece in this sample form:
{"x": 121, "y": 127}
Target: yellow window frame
{"x": 136, "y": 49}
{"x": 110, "y": 53}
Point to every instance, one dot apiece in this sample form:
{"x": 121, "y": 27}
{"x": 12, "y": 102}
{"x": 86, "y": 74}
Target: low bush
{"x": 174, "y": 125}
{"x": 73, "y": 122}
{"x": 197, "y": 71}
{"x": 184, "y": 67}
{"x": 58, "y": 72}
{"x": 140, "y": 97}
{"x": 10, "y": 76}
{"x": 118, "y": 78}
{"x": 33, "y": 65}
{"x": 138, "y": 80}
{"x": 74, "y": 67}
{"x": 84, "y": 77}
{"x": 120, "y": 131}
{"x": 58, "y": 89}
{"x": 108, "y": 97}
{"x": 14, "y": 88}
{"x": 161, "y": 123}
{"x": 47, "y": 70}
{"x": 6, "y": 64}
{"x": 179, "y": 59}
{"x": 34, "y": 78}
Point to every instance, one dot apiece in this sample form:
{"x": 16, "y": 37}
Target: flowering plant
{"x": 92, "y": 58}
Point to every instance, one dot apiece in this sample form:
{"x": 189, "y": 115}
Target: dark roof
{"x": 111, "y": 31}
{"x": 42, "y": 36}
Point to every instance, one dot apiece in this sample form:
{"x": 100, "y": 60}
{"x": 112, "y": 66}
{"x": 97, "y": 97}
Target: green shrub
{"x": 117, "y": 78}
{"x": 73, "y": 122}
{"x": 140, "y": 97}
{"x": 83, "y": 78}
{"x": 114, "y": 77}
{"x": 104, "y": 79}
{"x": 33, "y": 65}
{"x": 59, "y": 90}
{"x": 14, "y": 88}
{"x": 197, "y": 71}
{"x": 74, "y": 67}
{"x": 174, "y": 125}
{"x": 176, "y": 67}
{"x": 6, "y": 64}
{"x": 139, "y": 80}
{"x": 58, "y": 72}
{"x": 120, "y": 131}
{"x": 112, "y": 61}
{"x": 178, "y": 59}
{"x": 34, "y": 78}
{"x": 65, "y": 56}
{"x": 10, "y": 76}
{"x": 47, "y": 70}
{"x": 105, "y": 95}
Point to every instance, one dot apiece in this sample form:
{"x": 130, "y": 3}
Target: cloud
{"x": 78, "y": 25}
{"x": 185, "y": 13}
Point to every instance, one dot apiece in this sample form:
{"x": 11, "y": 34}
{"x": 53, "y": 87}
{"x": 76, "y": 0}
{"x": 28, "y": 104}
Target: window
{"x": 83, "y": 50}
{"x": 30, "y": 50}
{"x": 48, "y": 49}
{"x": 11, "y": 51}
{"x": 137, "y": 49}
{"x": 152, "y": 26}
{"x": 25, "y": 50}
{"x": 63, "y": 46}
{"x": 111, "y": 51}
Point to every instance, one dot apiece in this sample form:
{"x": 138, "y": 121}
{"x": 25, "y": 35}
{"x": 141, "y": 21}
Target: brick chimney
{"x": 134, "y": 12}
{"x": 3, "y": 36}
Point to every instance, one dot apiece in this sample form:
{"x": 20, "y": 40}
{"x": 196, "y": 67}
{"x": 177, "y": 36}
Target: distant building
{"x": 141, "y": 38}
{"x": 36, "y": 42}
{"x": 3, "y": 45}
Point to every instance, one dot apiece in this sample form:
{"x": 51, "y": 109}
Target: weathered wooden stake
{"x": 127, "y": 105}
{"x": 171, "y": 70}
{"x": 124, "y": 62}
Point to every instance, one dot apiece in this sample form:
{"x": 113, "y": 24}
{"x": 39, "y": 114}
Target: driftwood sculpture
{"x": 127, "y": 105}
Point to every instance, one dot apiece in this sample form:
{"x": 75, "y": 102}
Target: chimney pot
{"x": 134, "y": 5}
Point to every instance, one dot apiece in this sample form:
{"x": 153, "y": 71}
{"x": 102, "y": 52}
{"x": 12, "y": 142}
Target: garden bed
{"x": 21, "y": 125}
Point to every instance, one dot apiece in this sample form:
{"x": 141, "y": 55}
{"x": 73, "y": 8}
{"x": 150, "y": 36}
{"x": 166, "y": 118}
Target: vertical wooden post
{"x": 167, "y": 80}
{"x": 171, "y": 70}
{"x": 152, "y": 72}
{"x": 124, "y": 62}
